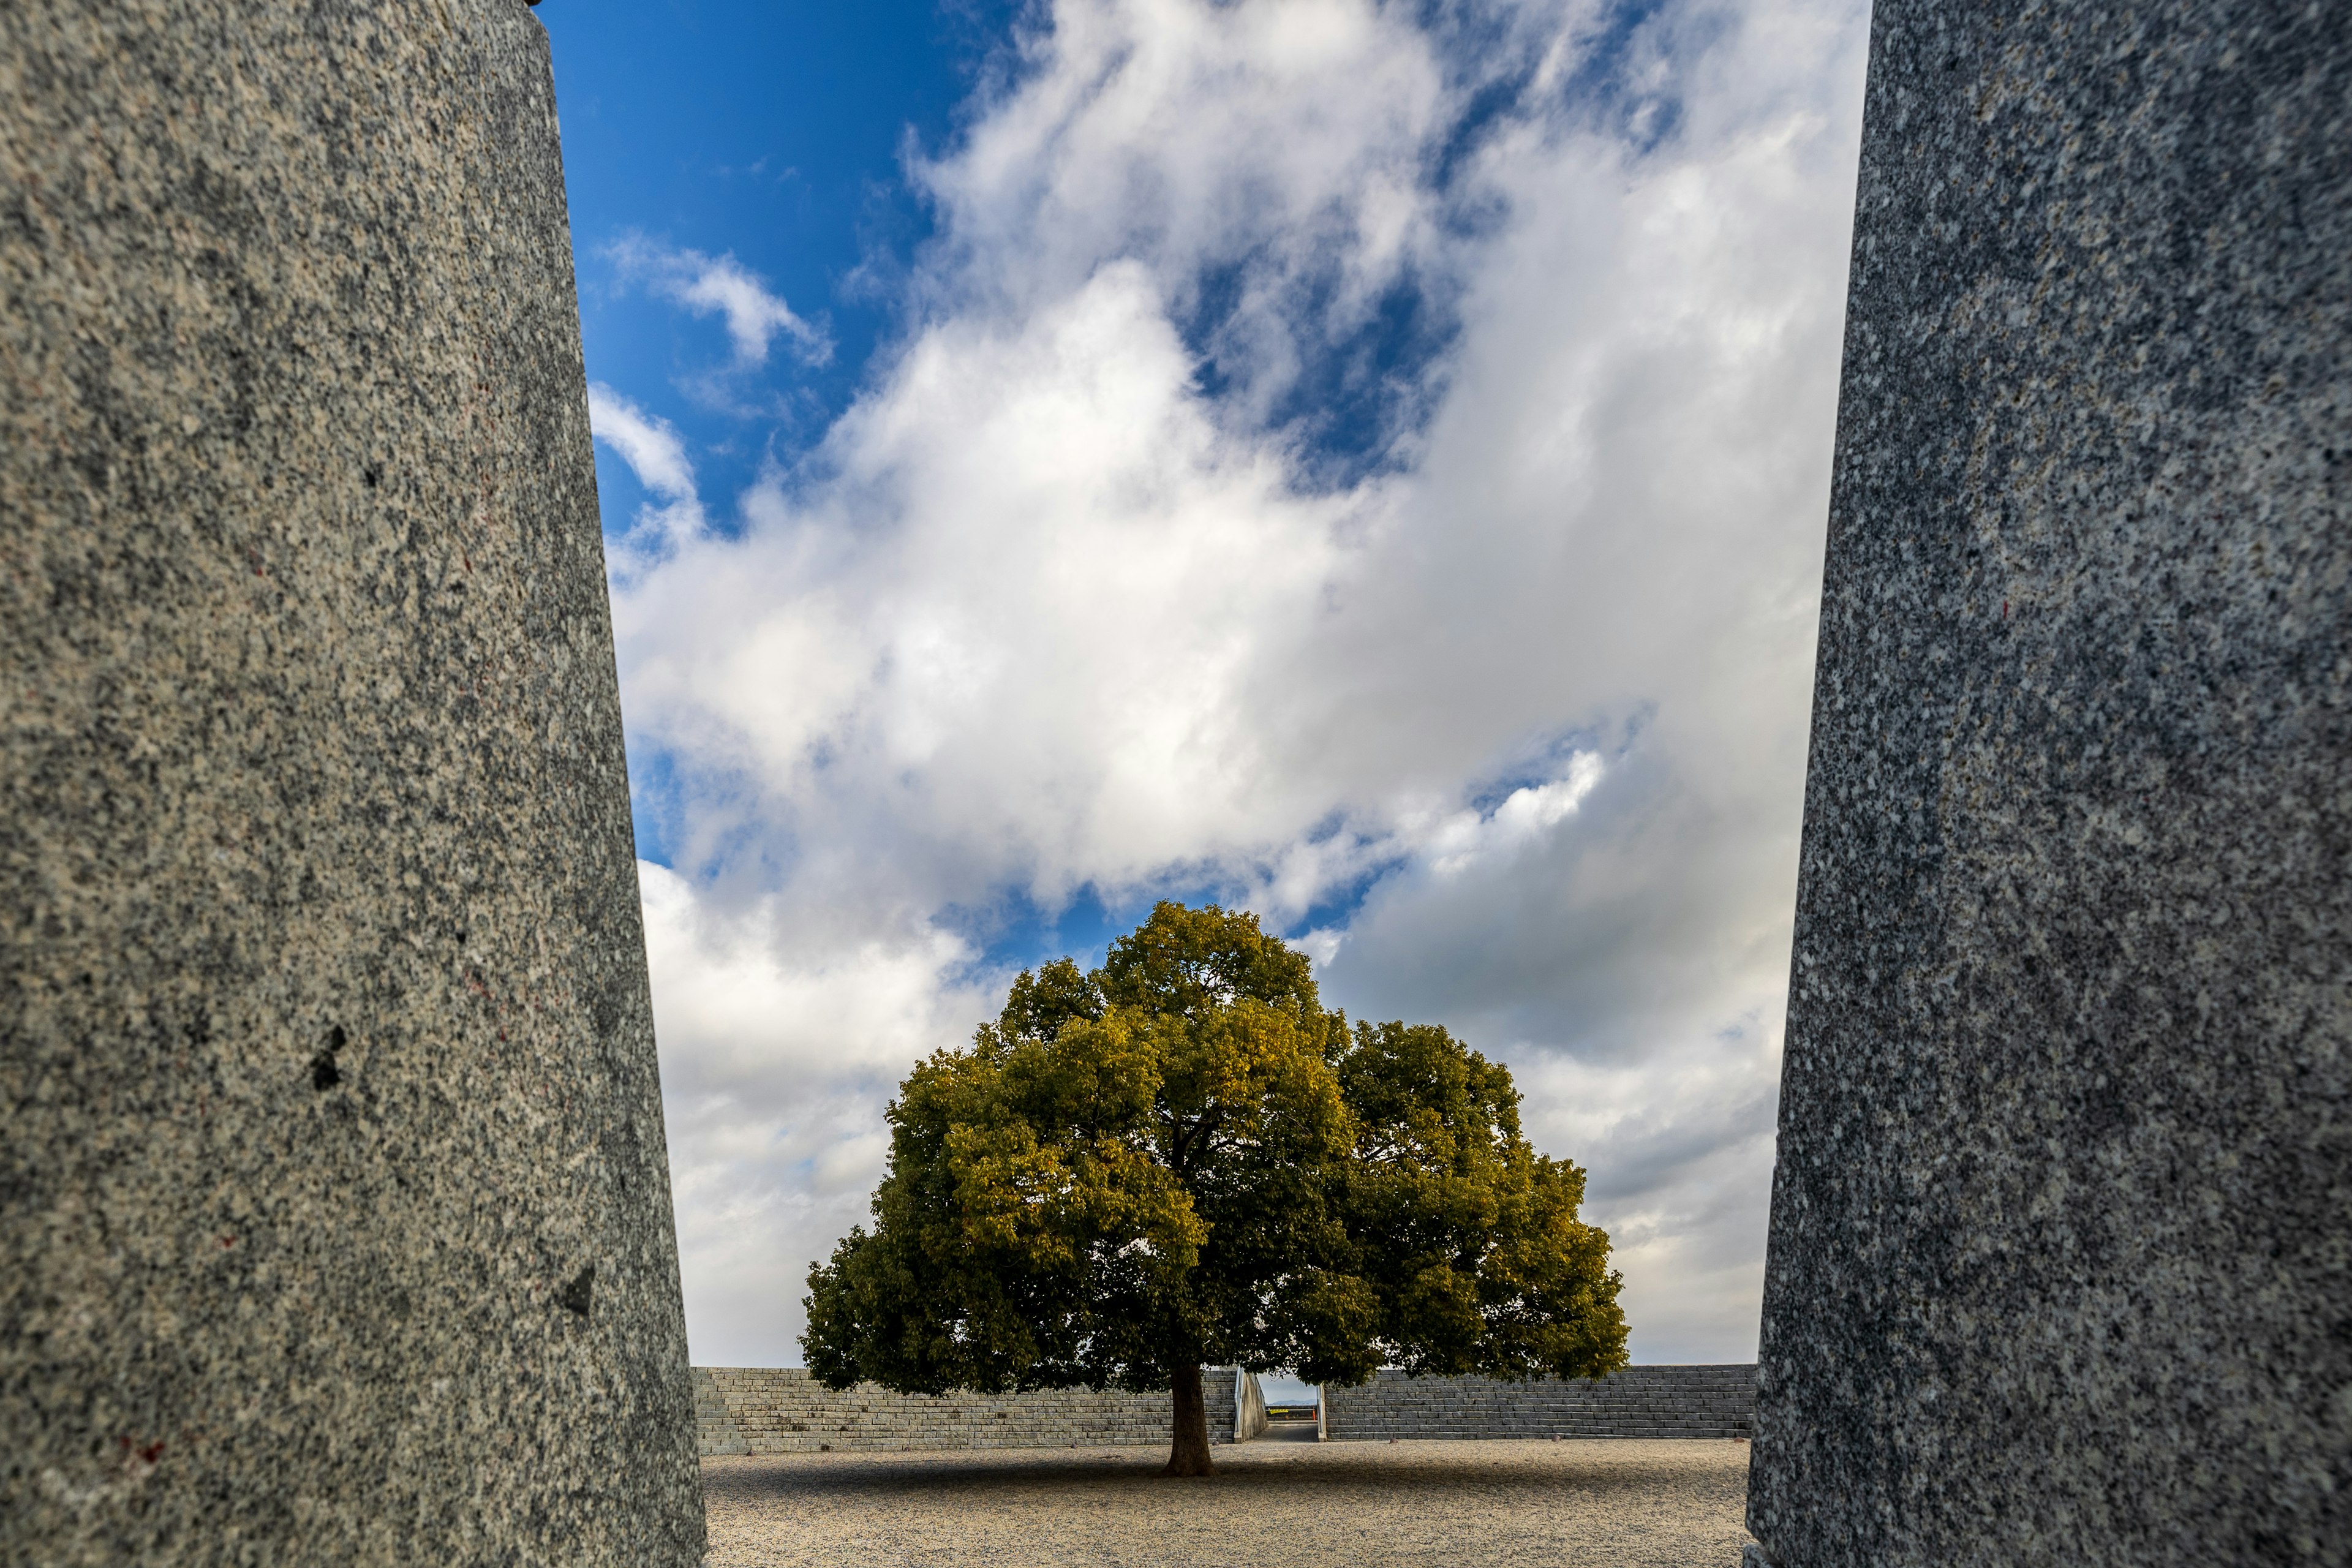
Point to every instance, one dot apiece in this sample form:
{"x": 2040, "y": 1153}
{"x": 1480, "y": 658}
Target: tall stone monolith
{"x": 2061, "y": 1261}
{"x": 334, "y": 1211}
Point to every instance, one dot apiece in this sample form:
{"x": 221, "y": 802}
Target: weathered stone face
{"x": 335, "y": 1213}
{"x": 2061, "y": 1268}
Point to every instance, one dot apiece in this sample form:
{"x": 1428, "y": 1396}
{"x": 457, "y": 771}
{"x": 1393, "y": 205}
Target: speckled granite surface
{"x": 334, "y": 1217}
{"x": 2061, "y": 1267}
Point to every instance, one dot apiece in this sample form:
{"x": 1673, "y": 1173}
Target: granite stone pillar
{"x": 2061, "y": 1261}
{"x": 334, "y": 1213}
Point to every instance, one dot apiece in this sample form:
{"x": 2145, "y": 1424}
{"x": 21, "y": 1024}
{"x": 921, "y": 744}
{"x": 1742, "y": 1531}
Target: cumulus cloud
{"x": 782, "y": 1037}
{"x": 1273, "y": 155}
{"x": 1005, "y": 631}
{"x": 1502, "y": 708}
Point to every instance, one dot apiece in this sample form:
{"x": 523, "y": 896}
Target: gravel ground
{"x": 1625, "y": 1504}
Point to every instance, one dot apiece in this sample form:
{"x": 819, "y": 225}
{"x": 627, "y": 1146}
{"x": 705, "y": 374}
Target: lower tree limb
{"x": 1188, "y": 1452}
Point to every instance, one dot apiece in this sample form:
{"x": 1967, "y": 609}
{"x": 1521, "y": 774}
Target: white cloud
{"x": 1281, "y": 144}
{"x": 655, "y": 455}
{"x": 1065, "y": 600}
{"x": 721, "y": 286}
{"x": 782, "y": 1038}
{"x": 1465, "y": 838}
{"x": 648, "y": 443}
{"x": 1005, "y": 633}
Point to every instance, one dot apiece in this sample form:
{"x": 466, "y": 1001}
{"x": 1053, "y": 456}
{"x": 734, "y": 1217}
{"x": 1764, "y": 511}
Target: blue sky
{"x": 1361, "y": 462}
{"x": 770, "y": 132}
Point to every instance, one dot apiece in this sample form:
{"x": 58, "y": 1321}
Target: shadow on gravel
{"x": 1521, "y": 1504}
{"x": 1392, "y": 1468}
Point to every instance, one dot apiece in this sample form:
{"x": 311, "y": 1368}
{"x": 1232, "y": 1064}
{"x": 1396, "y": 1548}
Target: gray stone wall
{"x": 2059, "y": 1267}
{"x": 1639, "y": 1402}
{"x": 334, "y": 1218}
{"x": 783, "y": 1410}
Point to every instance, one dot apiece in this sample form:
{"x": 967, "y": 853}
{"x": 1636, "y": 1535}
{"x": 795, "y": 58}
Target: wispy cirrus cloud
{"x": 1363, "y": 464}
{"x": 721, "y": 286}
{"x": 648, "y": 444}
{"x": 657, "y": 455}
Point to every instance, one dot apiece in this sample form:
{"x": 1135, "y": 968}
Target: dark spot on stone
{"x": 325, "y": 1074}
{"x": 372, "y": 474}
{"x": 573, "y": 1297}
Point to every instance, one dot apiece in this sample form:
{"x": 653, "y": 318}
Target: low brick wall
{"x": 1640, "y": 1402}
{"x": 782, "y": 1410}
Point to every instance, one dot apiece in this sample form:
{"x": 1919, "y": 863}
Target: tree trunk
{"x": 1188, "y": 1452}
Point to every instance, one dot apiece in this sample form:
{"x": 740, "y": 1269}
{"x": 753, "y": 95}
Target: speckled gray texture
{"x": 2060, "y": 1266}
{"x": 335, "y": 1219}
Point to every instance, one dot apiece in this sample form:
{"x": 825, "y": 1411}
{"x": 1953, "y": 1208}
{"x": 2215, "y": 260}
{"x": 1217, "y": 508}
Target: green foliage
{"x": 1469, "y": 1237}
{"x": 1179, "y": 1159}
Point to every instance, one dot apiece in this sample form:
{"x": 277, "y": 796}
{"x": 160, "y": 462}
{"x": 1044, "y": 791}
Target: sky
{"x": 1364, "y": 463}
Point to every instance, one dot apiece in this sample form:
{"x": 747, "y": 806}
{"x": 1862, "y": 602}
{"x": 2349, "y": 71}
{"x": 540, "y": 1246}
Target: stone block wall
{"x": 1639, "y": 1402}
{"x": 783, "y": 1410}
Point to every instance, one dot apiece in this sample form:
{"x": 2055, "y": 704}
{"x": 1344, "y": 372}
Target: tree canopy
{"x": 1179, "y": 1159}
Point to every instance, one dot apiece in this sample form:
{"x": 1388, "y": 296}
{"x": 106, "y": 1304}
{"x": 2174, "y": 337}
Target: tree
{"x": 1180, "y": 1159}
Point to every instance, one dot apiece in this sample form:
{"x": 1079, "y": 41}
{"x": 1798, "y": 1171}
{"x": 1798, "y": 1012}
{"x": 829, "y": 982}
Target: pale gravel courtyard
{"x": 1622, "y": 1503}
